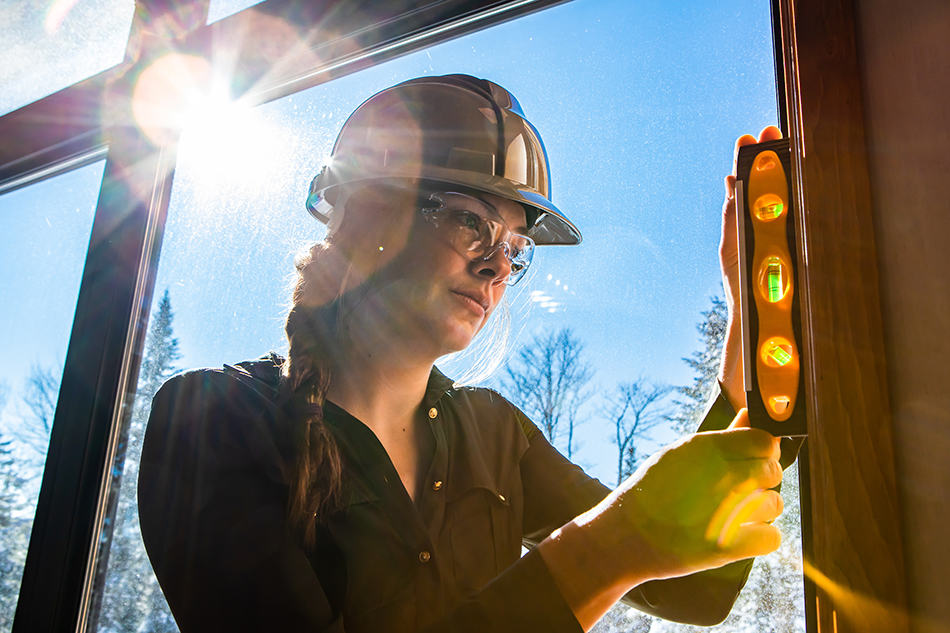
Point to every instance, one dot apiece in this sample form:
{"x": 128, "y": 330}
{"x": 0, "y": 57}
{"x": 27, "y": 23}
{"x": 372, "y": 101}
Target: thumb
{"x": 741, "y": 421}
{"x": 730, "y": 184}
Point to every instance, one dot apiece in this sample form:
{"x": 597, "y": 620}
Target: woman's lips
{"x": 471, "y": 303}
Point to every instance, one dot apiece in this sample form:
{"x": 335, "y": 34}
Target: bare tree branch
{"x": 548, "y": 379}
{"x": 633, "y": 409}
{"x": 40, "y": 395}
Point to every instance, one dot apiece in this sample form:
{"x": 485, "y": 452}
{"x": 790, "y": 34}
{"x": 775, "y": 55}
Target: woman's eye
{"x": 468, "y": 220}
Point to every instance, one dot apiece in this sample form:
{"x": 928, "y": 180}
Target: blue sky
{"x": 639, "y": 105}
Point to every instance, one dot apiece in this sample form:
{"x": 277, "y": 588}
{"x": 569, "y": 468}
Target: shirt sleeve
{"x": 212, "y": 503}
{"x": 557, "y": 490}
{"x": 523, "y": 599}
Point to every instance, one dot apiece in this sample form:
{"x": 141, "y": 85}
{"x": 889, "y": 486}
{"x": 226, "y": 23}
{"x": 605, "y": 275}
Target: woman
{"x": 353, "y": 487}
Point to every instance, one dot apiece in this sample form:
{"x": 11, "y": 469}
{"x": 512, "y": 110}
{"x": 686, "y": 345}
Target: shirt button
{"x": 424, "y": 556}
{"x": 433, "y": 413}
{"x": 437, "y": 485}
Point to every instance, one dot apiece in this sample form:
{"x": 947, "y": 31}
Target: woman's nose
{"x": 495, "y": 265}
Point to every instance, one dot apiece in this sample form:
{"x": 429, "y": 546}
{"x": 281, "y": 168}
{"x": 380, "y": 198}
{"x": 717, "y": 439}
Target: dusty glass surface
{"x": 218, "y": 9}
{"x": 639, "y": 106}
{"x": 45, "y": 233}
{"x": 50, "y": 45}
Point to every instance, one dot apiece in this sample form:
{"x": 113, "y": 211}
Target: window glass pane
{"x": 45, "y": 231}
{"x": 218, "y": 9}
{"x": 639, "y": 107}
{"x": 49, "y": 45}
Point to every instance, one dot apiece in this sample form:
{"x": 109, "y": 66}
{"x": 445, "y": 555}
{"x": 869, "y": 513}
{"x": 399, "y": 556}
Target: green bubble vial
{"x": 768, "y": 207}
{"x": 773, "y": 279}
{"x": 775, "y": 282}
{"x": 779, "y": 354}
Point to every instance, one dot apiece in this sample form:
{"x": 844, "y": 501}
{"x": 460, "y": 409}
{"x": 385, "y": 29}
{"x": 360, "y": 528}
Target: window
{"x": 46, "y": 50}
{"x": 631, "y": 296}
{"x": 45, "y": 229}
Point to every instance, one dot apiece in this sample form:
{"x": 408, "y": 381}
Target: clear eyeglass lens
{"x": 474, "y": 233}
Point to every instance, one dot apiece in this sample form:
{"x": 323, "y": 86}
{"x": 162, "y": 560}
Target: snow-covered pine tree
{"x": 128, "y": 593}
{"x": 705, "y": 363}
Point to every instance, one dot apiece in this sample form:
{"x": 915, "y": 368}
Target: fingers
{"x": 748, "y": 501}
{"x": 719, "y": 521}
{"x": 753, "y": 539}
{"x": 770, "y": 133}
{"x": 766, "y": 473}
{"x": 746, "y": 443}
{"x": 758, "y": 502}
{"x": 745, "y": 139}
{"x": 768, "y": 509}
{"x": 743, "y": 442}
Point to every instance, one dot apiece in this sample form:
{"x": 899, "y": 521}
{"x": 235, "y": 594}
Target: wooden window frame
{"x": 852, "y": 534}
{"x": 855, "y": 578}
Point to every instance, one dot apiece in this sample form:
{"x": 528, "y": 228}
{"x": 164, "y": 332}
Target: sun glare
{"x": 230, "y": 143}
{"x": 179, "y": 98}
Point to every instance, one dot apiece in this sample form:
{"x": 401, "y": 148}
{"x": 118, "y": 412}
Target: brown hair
{"x": 313, "y": 327}
{"x": 315, "y": 478}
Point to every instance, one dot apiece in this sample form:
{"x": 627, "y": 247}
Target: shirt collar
{"x": 439, "y": 384}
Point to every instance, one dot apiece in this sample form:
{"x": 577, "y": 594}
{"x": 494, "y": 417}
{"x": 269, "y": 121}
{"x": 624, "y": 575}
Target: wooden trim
{"x": 854, "y": 551}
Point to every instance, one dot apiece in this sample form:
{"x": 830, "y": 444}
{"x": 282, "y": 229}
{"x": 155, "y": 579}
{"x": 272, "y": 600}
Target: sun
{"x": 230, "y": 143}
{"x": 180, "y": 101}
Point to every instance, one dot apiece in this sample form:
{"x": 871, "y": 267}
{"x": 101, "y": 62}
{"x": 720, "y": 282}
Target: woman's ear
{"x": 377, "y": 225}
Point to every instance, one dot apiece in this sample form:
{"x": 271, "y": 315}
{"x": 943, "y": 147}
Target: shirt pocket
{"x": 374, "y": 564}
{"x": 483, "y": 537}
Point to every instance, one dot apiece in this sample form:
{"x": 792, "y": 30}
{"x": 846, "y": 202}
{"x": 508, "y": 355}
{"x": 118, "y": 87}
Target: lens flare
{"x": 167, "y": 93}
{"x": 723, "y": 517}
{"x": 855, "y": 607}
{"x": 178, "y": 99}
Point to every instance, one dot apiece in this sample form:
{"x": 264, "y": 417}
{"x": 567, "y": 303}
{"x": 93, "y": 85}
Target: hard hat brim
{"x": 551, "y": 226}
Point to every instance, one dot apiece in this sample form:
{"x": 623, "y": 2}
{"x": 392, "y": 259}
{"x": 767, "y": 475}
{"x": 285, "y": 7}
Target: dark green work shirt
{"x": 213, "y": 493}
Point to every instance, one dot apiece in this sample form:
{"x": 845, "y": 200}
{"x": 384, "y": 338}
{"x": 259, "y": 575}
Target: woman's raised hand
{"x": 730, "y": 375}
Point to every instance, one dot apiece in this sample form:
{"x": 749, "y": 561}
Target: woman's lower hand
{"x": 700, "y": 503}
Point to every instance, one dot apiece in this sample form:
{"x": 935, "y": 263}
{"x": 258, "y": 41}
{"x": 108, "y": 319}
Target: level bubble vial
{"x": 774, "y": 282}
{"x": 765, "y": 161}
{"x": 779, "y": 404}
{"x": 768, "y": 207}
{"x": 777, "y": 352}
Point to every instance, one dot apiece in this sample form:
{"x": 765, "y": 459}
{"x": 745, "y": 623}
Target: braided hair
{"x": 315, "y": 478}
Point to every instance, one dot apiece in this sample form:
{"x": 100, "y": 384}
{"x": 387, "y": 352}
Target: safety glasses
{"x": 476, "y": 231}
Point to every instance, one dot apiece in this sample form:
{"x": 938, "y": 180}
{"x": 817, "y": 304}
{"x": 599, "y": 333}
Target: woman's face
{"x": 428, "y": 294}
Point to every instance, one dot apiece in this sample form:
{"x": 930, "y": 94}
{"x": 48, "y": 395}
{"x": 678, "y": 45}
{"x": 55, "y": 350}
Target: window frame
{"x": 121, "y": 265}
